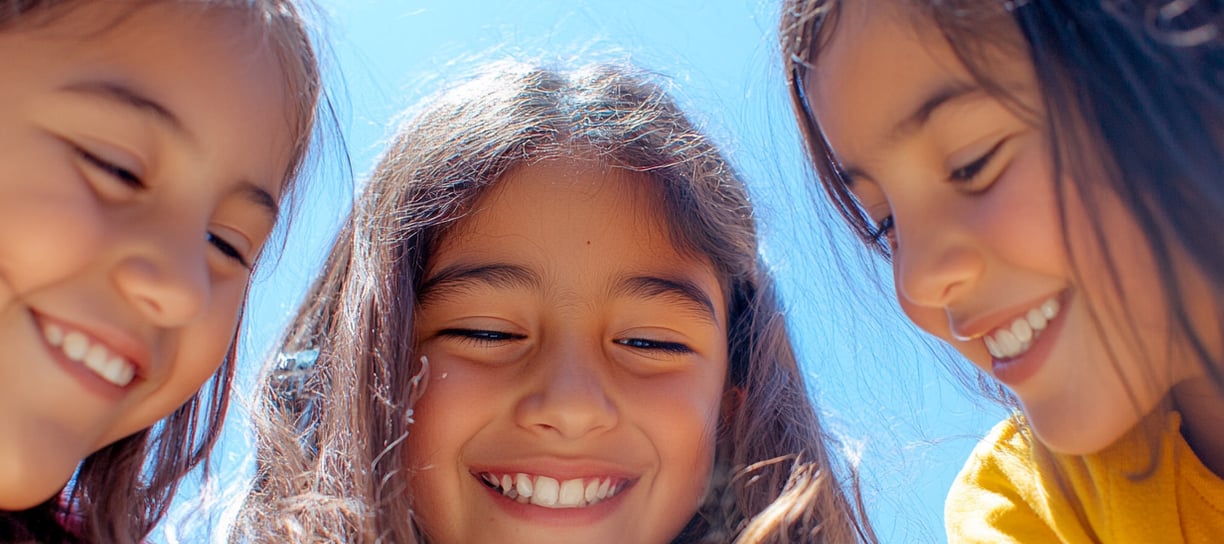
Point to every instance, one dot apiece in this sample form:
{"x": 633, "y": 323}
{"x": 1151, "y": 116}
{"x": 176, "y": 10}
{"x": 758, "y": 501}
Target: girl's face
{"x": 577, "y": 363}
{"x": 141, "y": 156}
{"x": 979, "y": 251}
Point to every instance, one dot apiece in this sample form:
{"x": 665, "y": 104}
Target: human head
{"x": 138, "y": 197}
{"x": 1046, "y": 186}
{"x": 357, "y": 405}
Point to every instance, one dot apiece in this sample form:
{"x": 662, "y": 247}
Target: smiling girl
{"x": 545, "y": 322}
{"x": 144, "y": 148}
{"x": 1046, "y": 180}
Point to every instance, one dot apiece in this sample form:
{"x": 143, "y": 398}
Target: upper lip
{"x": 117, "y": 340}
{"x": 982, "y": 324}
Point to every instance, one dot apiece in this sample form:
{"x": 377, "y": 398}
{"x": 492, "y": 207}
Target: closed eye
{"x": 970, "y": 171}
{"x": 654, "y": 345}
{"x": 119, "y": 173}
{"x": 480, "y": 336}
{"x": 228, "y": 249}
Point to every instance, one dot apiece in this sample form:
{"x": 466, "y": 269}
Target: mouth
{"x": 94, "y": 355}
{"x": 548, "y": 492}
{"x": 1014, "y": 339}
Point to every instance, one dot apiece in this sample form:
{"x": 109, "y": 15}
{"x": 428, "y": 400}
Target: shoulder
{"x": 998, "y": 495}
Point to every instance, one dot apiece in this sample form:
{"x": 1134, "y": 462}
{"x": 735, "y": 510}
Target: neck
{"x": 1201, "y": 403}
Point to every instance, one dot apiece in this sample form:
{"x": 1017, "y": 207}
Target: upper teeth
{"x": 94, "y": 356}
{"x": 551, "y": 493}
{"x": 1013, "y": 340}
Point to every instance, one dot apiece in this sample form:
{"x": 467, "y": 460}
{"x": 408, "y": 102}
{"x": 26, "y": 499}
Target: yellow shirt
{"x": 1009, "y": 492}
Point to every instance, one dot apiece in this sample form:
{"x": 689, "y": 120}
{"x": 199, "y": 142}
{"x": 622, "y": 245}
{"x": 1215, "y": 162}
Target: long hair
{"x": 120, "y": 492}
{"x": 1133, "y": 97}
{"x": 331, "y": 433}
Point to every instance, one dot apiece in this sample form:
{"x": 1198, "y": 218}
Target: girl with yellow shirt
{"x": 1047, "y": 180}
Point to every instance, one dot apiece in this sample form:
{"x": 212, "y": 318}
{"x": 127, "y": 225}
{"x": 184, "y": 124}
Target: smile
{"x": 1016, "y": 338}
{"x": 552, "y": 493}
{"x": 79, "y": 347}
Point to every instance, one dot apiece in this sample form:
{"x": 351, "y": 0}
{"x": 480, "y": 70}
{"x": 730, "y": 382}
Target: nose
{"x": 164, "y": 274}
{"x": 936, "y": 259}
{"x": 569, "y": 399}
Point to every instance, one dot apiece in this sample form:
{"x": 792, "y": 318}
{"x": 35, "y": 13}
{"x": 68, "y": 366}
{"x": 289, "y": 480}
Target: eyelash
{"x": 478, "y": 336}
{"x": 133, "y": 181}
{"x": 654, "y": 345}
{"x": 970, "y": 171}
{"x": 882, "y": 229}
{"x": 121, "y": 174}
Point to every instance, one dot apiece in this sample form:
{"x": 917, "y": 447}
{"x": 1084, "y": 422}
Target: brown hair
{"x": 331, "y": 434}
{"x": 120, "y": 492}
{"x": 1131, "y": 93}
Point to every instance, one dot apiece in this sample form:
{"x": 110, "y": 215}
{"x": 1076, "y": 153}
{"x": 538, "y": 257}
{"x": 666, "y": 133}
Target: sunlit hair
{"x": 1133, "y": 99}
{"x": 331, "y": 436}
{"x": 120, "y": 492}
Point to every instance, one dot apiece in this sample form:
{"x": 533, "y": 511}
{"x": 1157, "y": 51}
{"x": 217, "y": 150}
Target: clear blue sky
{"x": 881, "y": 387}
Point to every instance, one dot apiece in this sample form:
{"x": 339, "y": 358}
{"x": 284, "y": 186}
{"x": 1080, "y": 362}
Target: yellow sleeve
{"x": 996, "y": 498}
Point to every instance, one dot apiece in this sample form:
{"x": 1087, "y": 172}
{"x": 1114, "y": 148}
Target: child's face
{"x": 141, "y": 158}
{"x": 980, "y": 254}
{"x": 573, "y": 353}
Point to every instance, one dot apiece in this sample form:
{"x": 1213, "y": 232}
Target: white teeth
{"x": 96, "y": 357}
{"x": 75, "y": 345}
{"x": 549, "y": 492}
{"x": 1014, "y": 339}
{"x": 592, "y": 491}
{"x": 1050, "y": 308}
{"x": 54, "y": 334}
{"x": 522, "y": 483}
{"x": 546, "y": 490}
{"x": 571, "y": 493}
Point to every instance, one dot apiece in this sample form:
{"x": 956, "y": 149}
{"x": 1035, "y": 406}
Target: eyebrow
{"x": 123, "y": 95}
{"x": 126, "y": 96}
{"x": 681, "y": 290}
{"x": 457, "y": 277}
{"x": 907, "y": 126}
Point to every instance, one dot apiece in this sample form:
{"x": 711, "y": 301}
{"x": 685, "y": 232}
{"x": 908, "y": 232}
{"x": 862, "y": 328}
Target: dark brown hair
{"x": 331, "y": 432}
{"x": 1132, "y": 98}
{"x": 120, "y": 492}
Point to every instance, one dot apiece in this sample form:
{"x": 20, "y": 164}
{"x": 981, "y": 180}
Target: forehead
{"x": 875, "y": 64}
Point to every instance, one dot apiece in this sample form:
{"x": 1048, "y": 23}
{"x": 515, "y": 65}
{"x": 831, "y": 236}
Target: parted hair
{"x": 331, "y": 434}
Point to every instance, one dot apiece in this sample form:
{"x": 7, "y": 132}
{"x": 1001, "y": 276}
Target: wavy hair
{"x": 120, "y": 492}
{"x": 1133, "y": 97}
{"x": 331, "y": 432}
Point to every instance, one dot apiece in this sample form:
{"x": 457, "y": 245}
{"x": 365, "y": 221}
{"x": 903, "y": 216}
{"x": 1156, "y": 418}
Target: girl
{"x": 1045, "y": 177}
{"x": 546, "y": 321}
{"x": 145, "y": 148}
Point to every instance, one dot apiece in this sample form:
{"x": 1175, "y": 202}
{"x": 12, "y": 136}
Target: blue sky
{"x": 881, "y": 387}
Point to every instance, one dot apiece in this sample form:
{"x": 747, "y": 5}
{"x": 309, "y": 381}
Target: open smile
{"x": 549, "y": 492}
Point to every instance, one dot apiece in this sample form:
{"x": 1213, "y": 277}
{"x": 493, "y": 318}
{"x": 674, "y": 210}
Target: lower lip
{"x": 558, "y": 517}
{"x": 1015, "y": 371}
{"x": 86, "y": 377}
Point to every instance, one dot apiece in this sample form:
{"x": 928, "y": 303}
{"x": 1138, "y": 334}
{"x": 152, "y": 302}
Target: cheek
{"x": 46, "y": 235}
{"x": 195, "y": 355}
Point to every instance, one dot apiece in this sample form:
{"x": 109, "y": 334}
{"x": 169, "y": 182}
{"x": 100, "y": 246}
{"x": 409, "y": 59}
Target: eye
{"x": 969, "y": 172}
{"x": 654, "y": 345}
{"x": 119, "y": 173}
{"x": 480, "y": 336}
{"x": 885, "y": 230}
{"x": 228, "y": 249}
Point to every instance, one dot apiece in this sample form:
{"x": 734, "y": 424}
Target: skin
{"x": 122, "y": 224}
{"x": 974, "y": 252}
{"x": 568, "y": 374}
